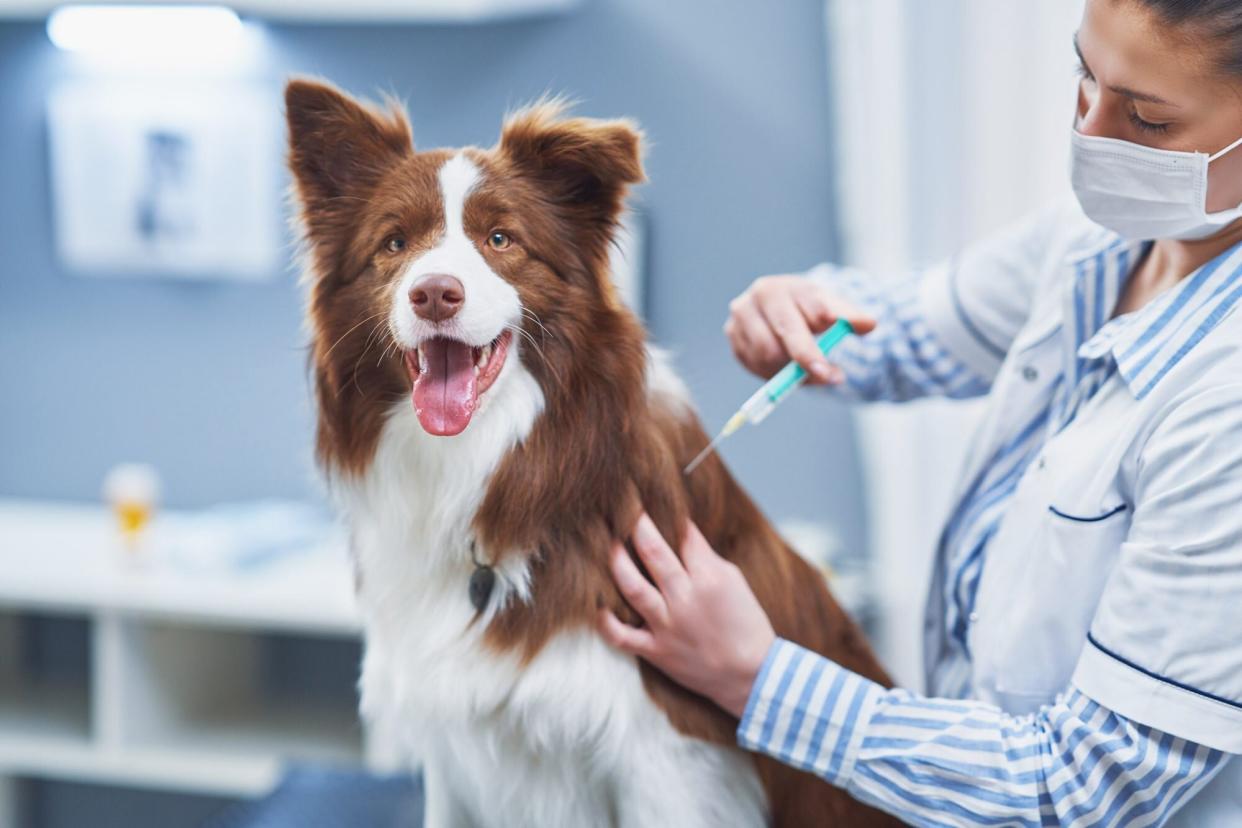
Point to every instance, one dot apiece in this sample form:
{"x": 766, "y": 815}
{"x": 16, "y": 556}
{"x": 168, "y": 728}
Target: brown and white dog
{"x": 485, "y": 396}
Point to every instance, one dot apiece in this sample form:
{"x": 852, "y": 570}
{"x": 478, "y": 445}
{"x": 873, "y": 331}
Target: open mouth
{"x": 449, "y": 376}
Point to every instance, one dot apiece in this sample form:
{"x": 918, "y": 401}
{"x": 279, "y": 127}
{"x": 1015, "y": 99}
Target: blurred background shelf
{"x": 310, "y": 590}
{"x": 257, "y": 732}
{"x": 42, "y": 719}
{"x": 194, "y": 771}
{"x": 45, "y": 701}
{"x": 160, "y": 672}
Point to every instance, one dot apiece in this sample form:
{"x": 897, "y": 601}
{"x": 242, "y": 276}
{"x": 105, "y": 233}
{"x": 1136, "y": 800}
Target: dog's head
{"x": 438, "y": 274}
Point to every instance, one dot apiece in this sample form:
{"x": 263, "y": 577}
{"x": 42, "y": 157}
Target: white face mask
{"x": 1145, "y": 193}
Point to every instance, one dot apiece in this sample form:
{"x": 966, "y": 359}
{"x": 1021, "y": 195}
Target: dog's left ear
{"x": 584, "y": 165}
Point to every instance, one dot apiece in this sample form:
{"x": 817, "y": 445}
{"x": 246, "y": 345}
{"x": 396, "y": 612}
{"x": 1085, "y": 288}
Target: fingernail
{"x": 821, "y": 371}
{"x": 645, "y": 527}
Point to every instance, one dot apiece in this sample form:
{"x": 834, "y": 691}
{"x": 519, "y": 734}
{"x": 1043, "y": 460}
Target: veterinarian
{"x": 1084, "y": 630}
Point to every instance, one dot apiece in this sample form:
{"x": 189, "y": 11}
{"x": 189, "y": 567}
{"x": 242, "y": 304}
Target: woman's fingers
{"x": 754, "y": 345}
{"x": 716, "y": 634}
{"x": 659, "y": 558}
{"x": 791, "y": 327}
{"x": 696, "y": 552}
{"x": 624, "y": 637}
{"x": 778, "y": 318}
{"x": 822, "y": 309}
{"x": 642, "y": 596}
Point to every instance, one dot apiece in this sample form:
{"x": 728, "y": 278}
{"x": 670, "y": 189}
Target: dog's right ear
{"x": 339, "y": 147}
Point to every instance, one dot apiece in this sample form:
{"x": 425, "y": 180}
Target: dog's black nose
{"x": 437, "y": 297}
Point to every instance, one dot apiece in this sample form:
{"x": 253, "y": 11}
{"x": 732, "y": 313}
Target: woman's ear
{"x": 583, "y": 166}
{"x": 339, "y": 147}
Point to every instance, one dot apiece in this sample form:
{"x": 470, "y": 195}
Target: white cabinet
{"x": 167, "y": 679}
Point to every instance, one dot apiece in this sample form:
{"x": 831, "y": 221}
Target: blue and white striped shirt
{"x": 938, "y": 762}
{"x": 957, "y": 760}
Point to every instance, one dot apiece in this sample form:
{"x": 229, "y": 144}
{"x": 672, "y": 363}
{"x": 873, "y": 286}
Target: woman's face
{"x": 1145, "y": 82}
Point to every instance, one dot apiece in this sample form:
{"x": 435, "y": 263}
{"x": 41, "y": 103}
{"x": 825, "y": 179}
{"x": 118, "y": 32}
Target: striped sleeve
{"x": 937, "y": 762}
{"x": 901, "y": 359}
{"x": 945, "y": 331}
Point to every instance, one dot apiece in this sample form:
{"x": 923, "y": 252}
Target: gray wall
{"x": 207, "y": 380}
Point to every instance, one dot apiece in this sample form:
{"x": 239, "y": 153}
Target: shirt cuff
{"x": 808, "y": 712}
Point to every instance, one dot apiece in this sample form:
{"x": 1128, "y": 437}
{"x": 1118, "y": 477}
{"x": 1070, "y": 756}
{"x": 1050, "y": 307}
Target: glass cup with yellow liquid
{"x": 132, "y": 491}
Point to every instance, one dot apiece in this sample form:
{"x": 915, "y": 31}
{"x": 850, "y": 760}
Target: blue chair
{"x": 321, "y": 797}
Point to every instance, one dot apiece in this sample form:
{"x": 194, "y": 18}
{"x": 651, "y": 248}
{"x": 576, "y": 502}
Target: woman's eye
{"x": 1147, "y": 126}
{"x": 499, "y": 240}
{"x": 395, "y": 244}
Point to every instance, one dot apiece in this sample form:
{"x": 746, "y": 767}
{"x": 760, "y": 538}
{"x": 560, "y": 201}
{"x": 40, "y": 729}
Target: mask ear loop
{"x": 1211, "y": 158}
{"x": 1231, "y": 147}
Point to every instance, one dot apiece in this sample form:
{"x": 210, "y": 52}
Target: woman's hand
{"x": 704, "y": 627}
{"x": 778, "y": 318}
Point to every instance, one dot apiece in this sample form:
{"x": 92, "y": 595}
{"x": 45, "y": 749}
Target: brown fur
{"x": 603, "y": 448}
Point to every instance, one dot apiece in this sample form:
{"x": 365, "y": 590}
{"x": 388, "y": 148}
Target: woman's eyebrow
{"x": 1122, "y": 90}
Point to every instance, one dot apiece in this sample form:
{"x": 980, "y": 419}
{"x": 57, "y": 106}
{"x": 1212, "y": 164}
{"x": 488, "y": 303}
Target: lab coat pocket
{"x": 1038, "y": 605}
{"x": 1078, "y": 536}
{"x": 1116, "y": 510}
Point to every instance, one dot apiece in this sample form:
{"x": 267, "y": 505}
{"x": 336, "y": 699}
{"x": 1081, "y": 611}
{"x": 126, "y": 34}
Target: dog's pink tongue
{"x": 444, "y": 392}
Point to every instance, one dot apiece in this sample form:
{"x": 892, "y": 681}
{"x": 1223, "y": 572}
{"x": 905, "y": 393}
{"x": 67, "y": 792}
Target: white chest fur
{"x": 571, "y": 738}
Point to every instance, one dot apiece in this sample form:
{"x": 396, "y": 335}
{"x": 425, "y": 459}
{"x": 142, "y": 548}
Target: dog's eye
{"x": 395, "y": 244}
{"x": 499, "y": 240}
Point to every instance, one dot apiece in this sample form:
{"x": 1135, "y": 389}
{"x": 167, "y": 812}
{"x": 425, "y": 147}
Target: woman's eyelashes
{"x": 1137, "y": 121}
{"x": 1146, "y": 126}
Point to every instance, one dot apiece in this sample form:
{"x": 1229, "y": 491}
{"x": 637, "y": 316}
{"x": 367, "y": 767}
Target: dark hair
{"x": 1220, "y": 20}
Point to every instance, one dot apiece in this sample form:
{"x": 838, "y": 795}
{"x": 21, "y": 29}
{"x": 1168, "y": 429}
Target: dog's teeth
{"x": 422, "y": 360}
{"x": 476, "y": 369}
{"x": 485, "y": 354}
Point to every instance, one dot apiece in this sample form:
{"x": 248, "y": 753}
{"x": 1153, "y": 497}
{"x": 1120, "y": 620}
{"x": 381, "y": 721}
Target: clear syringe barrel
{"x": 772, "y": 392}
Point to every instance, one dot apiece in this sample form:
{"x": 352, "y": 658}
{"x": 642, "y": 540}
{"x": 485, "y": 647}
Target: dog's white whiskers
{"x": 395, "y": 346}
{"x": 526, "y": 335}
{"x": 534, "y": 317}
{"x": 351, "y": 330}
{"x": 552, "y": 371}
{"x": 371, "y": 339}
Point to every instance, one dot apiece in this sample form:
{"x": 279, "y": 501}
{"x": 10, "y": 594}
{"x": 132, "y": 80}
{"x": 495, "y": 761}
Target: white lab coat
{"x": 1118, "y": 564}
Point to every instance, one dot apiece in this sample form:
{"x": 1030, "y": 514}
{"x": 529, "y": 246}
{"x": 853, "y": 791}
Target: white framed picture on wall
{"x": 160, "y": 180}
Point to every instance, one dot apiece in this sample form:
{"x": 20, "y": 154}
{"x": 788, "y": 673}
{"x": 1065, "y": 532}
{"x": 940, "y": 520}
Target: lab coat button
{"x": 974, "y": 618}
{"x": 1030, "y": 374}
{"x": 1041, "y": 461}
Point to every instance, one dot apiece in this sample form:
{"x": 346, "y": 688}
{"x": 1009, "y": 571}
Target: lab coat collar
{"x": 1097, "y": 274}
{"x": 1146, "y": 344}
{"x": 1081, "y": 262}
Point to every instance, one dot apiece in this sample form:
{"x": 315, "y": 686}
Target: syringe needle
{"x": 702, "y": 455}
{"x": 770, "y": 394}
{"x": 735, "y": 422}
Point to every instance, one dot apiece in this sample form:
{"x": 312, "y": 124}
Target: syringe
{"x": 763, "y": 401}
